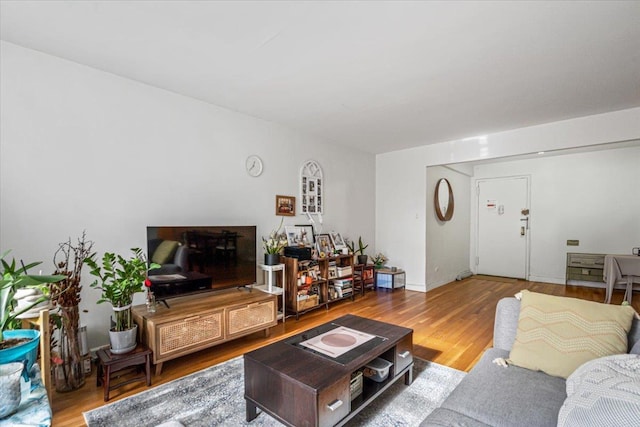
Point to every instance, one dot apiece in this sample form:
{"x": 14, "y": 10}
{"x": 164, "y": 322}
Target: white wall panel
{"x": 86, "y": 150}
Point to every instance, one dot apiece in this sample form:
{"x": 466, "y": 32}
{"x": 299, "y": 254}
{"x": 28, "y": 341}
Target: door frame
{"x": 475, "y": 214}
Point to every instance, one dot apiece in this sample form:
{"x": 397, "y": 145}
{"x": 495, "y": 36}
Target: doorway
{"x": 502, "y": 232}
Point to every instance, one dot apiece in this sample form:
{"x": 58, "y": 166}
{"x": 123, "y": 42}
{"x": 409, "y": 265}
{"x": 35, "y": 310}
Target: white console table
{"x": 270, "y": 288}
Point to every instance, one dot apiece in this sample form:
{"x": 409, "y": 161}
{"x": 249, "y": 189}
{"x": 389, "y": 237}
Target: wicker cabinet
{"x": 201, "y": 321}
{"x": 193, "y": 332}
{"x": 246, "y": 318}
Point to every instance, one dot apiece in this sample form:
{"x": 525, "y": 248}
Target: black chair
{"x": 196, "y": 243}
{"x": 227, "y": 246}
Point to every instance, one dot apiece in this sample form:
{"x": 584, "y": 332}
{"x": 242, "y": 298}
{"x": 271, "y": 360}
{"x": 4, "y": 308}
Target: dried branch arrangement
{"x": 65, "y": 295}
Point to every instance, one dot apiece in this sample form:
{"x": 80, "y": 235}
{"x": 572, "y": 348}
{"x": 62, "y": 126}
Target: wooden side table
{"x": 109, "y": 363}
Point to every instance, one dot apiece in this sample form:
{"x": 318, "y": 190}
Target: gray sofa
{"x": 491, "y": 395}
{"x": 177, "y": 262}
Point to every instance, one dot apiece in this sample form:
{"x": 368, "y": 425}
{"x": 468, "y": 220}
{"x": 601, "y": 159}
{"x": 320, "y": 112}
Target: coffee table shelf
{"x": 297, "y": 386}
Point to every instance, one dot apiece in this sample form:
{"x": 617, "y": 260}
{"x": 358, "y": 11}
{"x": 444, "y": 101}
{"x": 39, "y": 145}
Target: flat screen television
{"x": 200, "y": 258}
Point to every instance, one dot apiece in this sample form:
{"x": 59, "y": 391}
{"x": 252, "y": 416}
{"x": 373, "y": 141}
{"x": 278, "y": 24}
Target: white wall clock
{"x": 253, "y": 165}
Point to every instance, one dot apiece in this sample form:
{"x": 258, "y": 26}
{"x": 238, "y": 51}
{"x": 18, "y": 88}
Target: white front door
{"x": 503, "y": 227}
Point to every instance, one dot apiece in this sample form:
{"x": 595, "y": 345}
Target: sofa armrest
{"x": 506, "y": 323}
{"x": 182, "y": 258}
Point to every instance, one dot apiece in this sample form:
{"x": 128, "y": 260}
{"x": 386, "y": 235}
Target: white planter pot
{"x": 10, "y": 375}
{"x": 125, "y": 341}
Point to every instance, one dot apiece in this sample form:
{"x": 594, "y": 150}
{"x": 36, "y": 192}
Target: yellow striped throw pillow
{"x": 558, "y": 334}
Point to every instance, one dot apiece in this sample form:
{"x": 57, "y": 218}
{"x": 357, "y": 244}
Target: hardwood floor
{"x": 452, "y": 325}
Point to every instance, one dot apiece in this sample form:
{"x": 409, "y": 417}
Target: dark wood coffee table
{"x": 300, "y": 387}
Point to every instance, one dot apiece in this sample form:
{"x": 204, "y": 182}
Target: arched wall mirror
{"x": 443, "y": 200}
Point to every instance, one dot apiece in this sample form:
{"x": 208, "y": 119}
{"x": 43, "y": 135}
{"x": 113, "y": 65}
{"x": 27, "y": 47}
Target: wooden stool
{"x": 109, "y": 363}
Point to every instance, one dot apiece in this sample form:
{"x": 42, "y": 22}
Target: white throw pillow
{"x": 603, "y": 392}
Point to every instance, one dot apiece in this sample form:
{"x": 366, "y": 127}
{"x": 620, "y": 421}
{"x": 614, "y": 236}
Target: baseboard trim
{"x": 417, "y": 288}
{"x": 543, "y": 279}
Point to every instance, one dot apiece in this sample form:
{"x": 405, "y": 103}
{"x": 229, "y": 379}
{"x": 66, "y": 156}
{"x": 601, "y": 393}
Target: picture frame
{"x": 311, "y": 182}
{"x": 337, "y": 240}
{"x": 306, "y": 235}
{"x": 324, "y": 244}
{"x": 293, "y": 235}
{"x": 285, "y": 205}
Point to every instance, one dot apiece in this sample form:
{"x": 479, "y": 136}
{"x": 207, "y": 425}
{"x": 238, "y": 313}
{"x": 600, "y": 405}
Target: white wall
{"x": 593, "y": 197}
{"x": 448, "y": 242}
{"x": 86, "y": 150}
{"x": 401, "y": 184}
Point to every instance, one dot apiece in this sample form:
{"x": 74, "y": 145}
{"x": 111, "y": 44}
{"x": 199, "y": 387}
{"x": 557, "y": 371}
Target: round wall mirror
{"x": 443, "y": 200}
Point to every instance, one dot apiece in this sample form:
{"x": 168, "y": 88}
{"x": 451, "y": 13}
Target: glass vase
{"x": 151, "y": 302}
{"x": 68, "y": 369}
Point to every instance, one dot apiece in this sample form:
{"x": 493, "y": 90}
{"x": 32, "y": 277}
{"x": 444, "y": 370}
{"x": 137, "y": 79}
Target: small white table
{"x": 624, "y": 269}
{"x": 269, "y": 286}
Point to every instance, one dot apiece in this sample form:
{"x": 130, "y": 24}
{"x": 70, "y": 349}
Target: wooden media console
{"x": 200, "y": 321}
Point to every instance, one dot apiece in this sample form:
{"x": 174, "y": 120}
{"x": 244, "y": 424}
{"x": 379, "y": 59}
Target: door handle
{"x": 526, "y": 220}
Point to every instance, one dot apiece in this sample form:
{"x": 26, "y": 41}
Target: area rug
{"x": 215, "y": 397}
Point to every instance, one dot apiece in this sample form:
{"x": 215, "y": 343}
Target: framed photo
{"x": 293, "y": 235}
{"x": 311, "y": 182}
{"x": 306, "y": 235}
{"x": 285, "y": 205}
{"x": 337, "y": 240}
{"x": 323, "y": 244}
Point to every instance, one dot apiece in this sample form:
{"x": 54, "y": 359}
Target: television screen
{"x": 200, "y": 259}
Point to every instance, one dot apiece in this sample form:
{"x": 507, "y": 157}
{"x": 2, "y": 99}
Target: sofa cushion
{"x": 557, "y": 334}
{"x": 500, "y": 396}
{"x": 165, "y": 252}
{"x": 603, "y": 392}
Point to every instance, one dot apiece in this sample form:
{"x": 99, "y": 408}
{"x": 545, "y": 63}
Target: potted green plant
{"x": 19, "y": 344}
{"x": 273, "y": 245}
{"x": 362, "y": 258}
{"x": 379, "y": 259}
{"x": 119, "y": 279}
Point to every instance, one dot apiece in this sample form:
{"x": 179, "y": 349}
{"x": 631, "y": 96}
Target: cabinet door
{"x": 192, "y": 332}
{"x": 251, "y": 317}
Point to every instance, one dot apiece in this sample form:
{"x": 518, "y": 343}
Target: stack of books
{"x": 340, "y": 288}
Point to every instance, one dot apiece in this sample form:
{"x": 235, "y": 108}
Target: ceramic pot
{"x": 124, "y": 341}
{"x": 271, "y": 259}
{"x": 362, "y": 259}
{"x": 26, "y": 351}
{"x": 10, "y": 385}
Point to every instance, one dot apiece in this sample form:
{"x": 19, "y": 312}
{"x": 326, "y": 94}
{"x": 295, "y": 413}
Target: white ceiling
{"x": 377, "y": 76}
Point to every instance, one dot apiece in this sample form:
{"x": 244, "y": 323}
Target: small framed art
{"x": 306, "y": 235}
{"x": 337, "y": 240}
{"x": 323, "y": 244}
{"x": 285, "y": 205}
